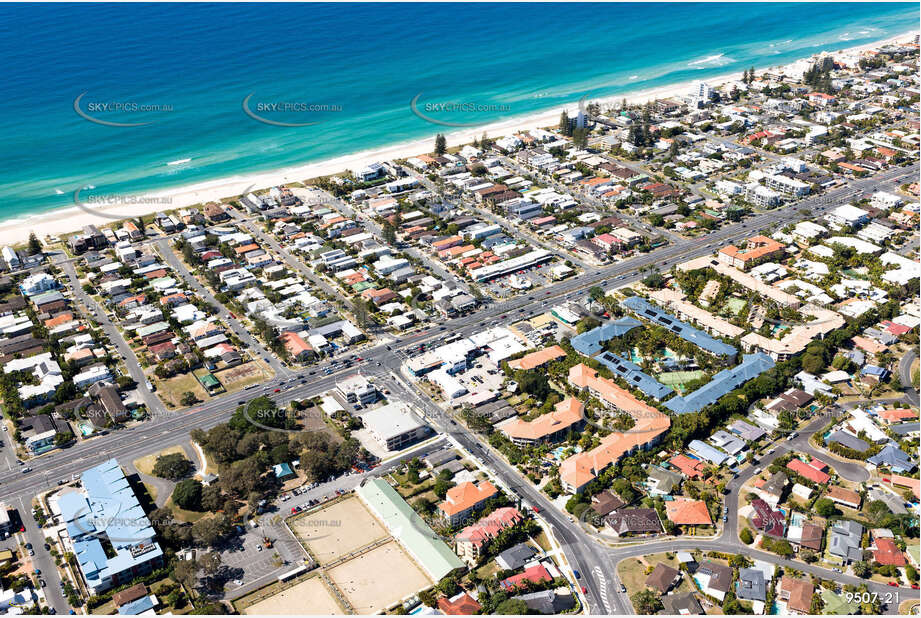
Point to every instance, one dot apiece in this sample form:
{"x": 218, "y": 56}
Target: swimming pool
{"x": 797, "y": 519}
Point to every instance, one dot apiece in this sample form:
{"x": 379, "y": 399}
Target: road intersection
{"x": 167, "y": 428}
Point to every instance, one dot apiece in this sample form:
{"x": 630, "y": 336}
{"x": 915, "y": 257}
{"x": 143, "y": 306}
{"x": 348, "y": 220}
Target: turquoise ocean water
{"x": 363, "y": 63}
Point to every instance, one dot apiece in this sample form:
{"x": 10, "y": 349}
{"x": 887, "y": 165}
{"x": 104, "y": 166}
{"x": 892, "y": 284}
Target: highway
{"x": 595, "y": 562}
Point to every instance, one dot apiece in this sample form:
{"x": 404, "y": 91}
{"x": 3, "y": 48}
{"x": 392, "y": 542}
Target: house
{"x": 661, "y": 482}
{"x": 515, "y": 557}
{"x": 809, "y": 472}
{"x": 797, "y": 593}
{"x": 888, "y": 553}
{"x": 663, "y": 578}
{"x": 687, "y": 512}
{"x": 536, "y": 574}
{"x": 38, "y": 432}
{"x": 894, "y": 458}
{"x": 682, "y": 604}
{"x": 772, "y": 489}
{"x": 811, "y": 536}
{"x": 689, "y": 467}
{"x": 461, "y": 604}
{"x": 110, "y": 400}
{"x": 768, "y": 520}
{"x": 625, "y": 522}
{"x": 715, "y": 579}
{"x": 464, "y": 499}
{"x": 605, "y": 502}
{"x": 844, "y": 497}
{"x": 296, "y": 347}
{"x": 844, "y": 541}
{"x": 549, "y": 602}
{"x": 751, "y": 585}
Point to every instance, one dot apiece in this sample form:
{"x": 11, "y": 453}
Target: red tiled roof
{"x": 489, "y": 526}
{"x": 691, "y": 468}
{"x": 688, "y": 512}
{"x": 463, "y": 605}
{"x": 887, "y": 553}
{"x": 807, "y": 471}
{"x": 535, "y": 574}
{"x": 466, "y": 496}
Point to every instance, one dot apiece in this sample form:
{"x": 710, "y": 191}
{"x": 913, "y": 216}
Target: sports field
{"x": 337, "y": 529}
{"x": 379, "y": 578}
{"x": 310, "y": 596}
{"x": 677, "y": 379}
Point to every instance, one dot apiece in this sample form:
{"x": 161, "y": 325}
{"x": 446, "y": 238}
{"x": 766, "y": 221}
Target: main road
{"x": 595, "y": 562}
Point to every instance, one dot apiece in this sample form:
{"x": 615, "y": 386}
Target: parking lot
{"x": 501, "y": 287}
{"x": 249, "y": 561}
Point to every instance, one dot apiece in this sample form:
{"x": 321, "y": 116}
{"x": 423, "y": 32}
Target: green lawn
{"x": 836, "y": 605}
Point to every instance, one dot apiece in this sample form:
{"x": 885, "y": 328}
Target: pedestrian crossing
{"x": 602, "y": 588}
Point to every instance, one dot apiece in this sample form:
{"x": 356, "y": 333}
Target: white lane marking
{"x": 602, "y": 588}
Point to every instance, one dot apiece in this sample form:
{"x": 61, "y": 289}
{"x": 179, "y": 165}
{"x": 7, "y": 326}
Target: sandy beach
{"x": 64, "y": 221}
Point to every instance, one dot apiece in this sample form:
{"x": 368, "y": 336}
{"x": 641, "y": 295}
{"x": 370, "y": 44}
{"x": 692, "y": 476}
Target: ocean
{"x": 345, "y": 74}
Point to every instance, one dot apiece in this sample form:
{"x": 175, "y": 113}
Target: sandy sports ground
{"x": 379, "y": 578}
{"x": 310, "y": 596}
{"x": 337, "y": 530}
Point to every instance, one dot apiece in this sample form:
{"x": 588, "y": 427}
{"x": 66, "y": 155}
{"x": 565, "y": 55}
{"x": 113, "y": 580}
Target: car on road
{"x": 42, "y": 583}
{"x": 277, "y": 390}
{"x": 584, "y": 591}
{"x": 893, "y": 584}
{"x": 26, "y": 469}
{"x": 577, "y": 574}
{"x": 623, "y": 589}
{"x": 31, "y": 552}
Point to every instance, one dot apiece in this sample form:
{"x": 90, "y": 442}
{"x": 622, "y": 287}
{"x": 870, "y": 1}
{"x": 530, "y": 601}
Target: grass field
{"x": 378, "y": 578}
{"x": 146, "y": 463}
{"x": 337, "y": 530}
{"x": 170, "y": 391}
{"x": 311, "y": 596}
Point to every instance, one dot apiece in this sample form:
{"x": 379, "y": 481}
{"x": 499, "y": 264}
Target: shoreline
{"x": 62, "y": 221}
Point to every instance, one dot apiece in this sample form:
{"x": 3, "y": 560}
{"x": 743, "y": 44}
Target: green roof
{"x": 361, "y": 286}
{"x": 150, "y": 329}
{"x": 435, "y": 557}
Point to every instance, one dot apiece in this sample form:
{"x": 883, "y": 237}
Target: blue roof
{"x": 702, "y": 340}
{"x": 873, "y": 370}
{"x": 894, "y": 458}
{"x": 107, "y": 508}
{"x": 282, "y": 470}
{"x": 722, "y": 383}
{"x": 136, "y": 607}
{"x": 634, "y": 375}
{"x": 708, "y": 452}
{"x": 589, "y": 342}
